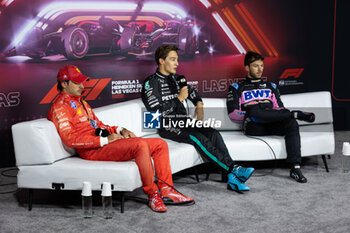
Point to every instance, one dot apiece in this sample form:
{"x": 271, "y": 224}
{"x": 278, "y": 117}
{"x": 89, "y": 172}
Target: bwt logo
{"x": 151, "y": 120}
{"x": 10, "y": 100}
{"x": 256, "y": 94}
{"x": 295, "y": 73}
{"x": 93, "y": 87}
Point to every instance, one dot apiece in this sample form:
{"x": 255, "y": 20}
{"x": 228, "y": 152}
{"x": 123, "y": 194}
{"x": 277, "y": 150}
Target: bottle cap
{"x": 86, "y": 191}
{"x": 106, "y": 189}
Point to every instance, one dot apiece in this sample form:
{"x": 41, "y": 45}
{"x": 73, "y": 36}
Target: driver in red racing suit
{"x": 76, "y": 124}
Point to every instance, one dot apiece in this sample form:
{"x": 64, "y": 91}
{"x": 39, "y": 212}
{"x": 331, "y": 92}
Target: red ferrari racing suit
{"x": 76, "y": 123}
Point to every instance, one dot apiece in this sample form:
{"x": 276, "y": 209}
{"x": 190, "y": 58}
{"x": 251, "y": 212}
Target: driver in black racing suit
{"x": 257, "y": 103}
{"x": 166, "y": 92}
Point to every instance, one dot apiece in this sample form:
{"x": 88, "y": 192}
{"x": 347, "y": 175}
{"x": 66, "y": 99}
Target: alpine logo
{"x": 93, "y": 88}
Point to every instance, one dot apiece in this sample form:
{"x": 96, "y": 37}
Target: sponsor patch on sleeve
{"x": 274, "y": 86}
{"x": 235, "y": 85}
{"x": 147, "y": 85}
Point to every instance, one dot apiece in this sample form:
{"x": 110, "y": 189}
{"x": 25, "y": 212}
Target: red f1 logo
{"x": 93, "y": 87}
{"x": 292, "y": 73}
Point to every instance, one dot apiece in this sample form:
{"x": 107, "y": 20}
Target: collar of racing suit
{"x": 164, "y": 76}
{"x": 72, "y": 97}
{"x": 250, "y": 80}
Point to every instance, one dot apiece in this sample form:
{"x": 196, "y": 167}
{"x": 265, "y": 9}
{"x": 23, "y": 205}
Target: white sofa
{"x": 44, "y": 162}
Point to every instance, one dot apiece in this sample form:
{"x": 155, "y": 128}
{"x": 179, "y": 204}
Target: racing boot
{"x": 172, "y": 197}
{"x": 242, "y": 173}
{"x": 235, "y": 184}
{"x": 156, "y": 203}
{"x": 304, "y": 116}
{"x": 296, "y": 174}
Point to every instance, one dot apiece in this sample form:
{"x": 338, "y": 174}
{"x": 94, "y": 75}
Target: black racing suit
{"x": 160, "y": 92}
{"x": 258, "y": 104}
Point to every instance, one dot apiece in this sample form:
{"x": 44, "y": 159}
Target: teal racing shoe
{"x": 235, "y": 184}
{"x": 242, "y": 173}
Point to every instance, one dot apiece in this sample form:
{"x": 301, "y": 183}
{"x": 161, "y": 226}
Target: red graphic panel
{"x": 93, "y": 87}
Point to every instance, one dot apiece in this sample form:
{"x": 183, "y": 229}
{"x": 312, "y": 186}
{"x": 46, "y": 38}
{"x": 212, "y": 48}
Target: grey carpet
{"x": 275, "y": 204}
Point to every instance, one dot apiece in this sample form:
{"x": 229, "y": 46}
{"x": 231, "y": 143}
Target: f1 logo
{"x": 151, "y": 120}
{"x": 93, "y": 87}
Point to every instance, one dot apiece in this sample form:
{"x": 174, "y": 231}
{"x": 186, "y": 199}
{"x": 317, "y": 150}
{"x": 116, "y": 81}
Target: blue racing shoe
{"x": 242, "y": 173}
{"x": 235, "y": 184}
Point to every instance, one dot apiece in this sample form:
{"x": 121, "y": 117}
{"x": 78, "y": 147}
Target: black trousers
{"x": 261, "y": 122}
{"x": 207, "y": 141}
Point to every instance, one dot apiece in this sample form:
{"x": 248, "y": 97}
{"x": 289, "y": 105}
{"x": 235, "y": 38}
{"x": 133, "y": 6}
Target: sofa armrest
{"x": 38, "y": 142}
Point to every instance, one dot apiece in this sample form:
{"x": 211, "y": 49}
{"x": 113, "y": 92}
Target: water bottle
{"x": 86, "y": 195}
{"x": 107, "y": 200}
{"x": 346, "y": 157}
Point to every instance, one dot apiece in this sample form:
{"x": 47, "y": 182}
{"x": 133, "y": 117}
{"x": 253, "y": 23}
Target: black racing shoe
{"x": 304, "y": 116}
{"x": 297, "y": 175}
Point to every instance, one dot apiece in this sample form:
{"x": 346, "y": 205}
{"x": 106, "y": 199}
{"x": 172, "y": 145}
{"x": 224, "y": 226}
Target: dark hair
{"x": 251, "y": 57}
{"x": 59, "y": 85}
{"x": 163, "y": 51}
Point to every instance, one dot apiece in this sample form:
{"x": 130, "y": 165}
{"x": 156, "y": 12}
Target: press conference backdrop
{"x": 113, "y": 42}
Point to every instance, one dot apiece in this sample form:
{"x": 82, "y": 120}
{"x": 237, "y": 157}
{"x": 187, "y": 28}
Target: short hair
{"x": 59, "y": 85}
{"x": 163, "y": 51}
{"x": 251, "y": 57}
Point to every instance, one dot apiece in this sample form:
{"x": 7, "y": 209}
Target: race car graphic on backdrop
{"x": 76, "y": 30}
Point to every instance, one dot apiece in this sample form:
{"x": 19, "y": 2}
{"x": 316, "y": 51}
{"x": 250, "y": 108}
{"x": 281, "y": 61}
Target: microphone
{"x": 101, "y": 132}
{"x": 181, "y": 80}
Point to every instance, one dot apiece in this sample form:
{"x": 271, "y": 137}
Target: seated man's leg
{"x": 304, "y": 116}
{"x": 214, "y": 136}
{"x": 205, "y": 147}
{"x": 254, "y": 129}
{"x": 160, "y": 153}
{"x": 138, "y": 149}
{"x": 218, "y": 144}
{"x": 290, "y": 129}
{"x": 259, "y": 114}
{"x": 262, "y": 122}
{"x": 201, "y": 143}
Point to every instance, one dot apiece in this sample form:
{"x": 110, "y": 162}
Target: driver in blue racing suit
{"x": 257, "y": 104}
